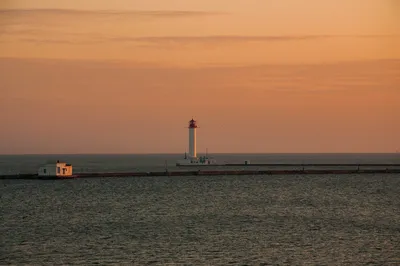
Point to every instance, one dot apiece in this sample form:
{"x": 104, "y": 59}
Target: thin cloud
{"x": 54, "y": 17}
{"x": 381, "y": 74}
{"x": 215, "y": 38}
{"x": 53, "y": 41}
{"x": 170, "y": 41}
{"x": 164, "y": 41}
{"x": 142, "y": 13}
{"x": 236, "y": 38}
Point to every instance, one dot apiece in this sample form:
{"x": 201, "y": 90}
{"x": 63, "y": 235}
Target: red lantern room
{"x": 192, "y": 124}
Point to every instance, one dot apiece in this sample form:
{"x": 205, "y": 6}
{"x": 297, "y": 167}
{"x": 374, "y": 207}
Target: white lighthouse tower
{"x": 192, "y": 159}
{"x": 192, "y": 139}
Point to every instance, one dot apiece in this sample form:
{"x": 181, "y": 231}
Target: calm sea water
{"x": 238, "y": 220}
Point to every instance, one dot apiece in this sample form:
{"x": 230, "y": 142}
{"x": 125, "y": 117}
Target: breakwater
{"x": 293, "y": 165}
{"x": 212, "y": 173}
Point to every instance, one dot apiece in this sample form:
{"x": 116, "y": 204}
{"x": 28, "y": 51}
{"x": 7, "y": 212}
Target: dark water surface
{"x": 296, "y": 220}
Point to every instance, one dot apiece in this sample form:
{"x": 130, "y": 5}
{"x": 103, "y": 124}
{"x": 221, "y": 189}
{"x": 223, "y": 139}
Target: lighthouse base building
{"x": 192, "y": 159}
{"x": 203, "y": 160}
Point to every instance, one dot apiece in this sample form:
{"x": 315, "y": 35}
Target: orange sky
{"x": 260, "y": 76}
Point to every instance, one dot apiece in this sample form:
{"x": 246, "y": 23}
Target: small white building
{"x": 55, "y": 169}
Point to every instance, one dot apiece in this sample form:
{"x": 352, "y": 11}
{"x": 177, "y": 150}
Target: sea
{"x": 349, "y": 219}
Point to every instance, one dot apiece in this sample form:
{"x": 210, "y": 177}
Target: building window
{"x": 58, "y": 170}
{"x": 44, "y": 170}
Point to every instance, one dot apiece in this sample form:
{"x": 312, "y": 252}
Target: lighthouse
{"x": 192, "y": 139}
{"x": 192, "y": 159}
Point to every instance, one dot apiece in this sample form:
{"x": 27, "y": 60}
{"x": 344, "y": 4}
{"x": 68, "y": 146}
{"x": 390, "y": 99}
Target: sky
{"x": 260, "y": 76}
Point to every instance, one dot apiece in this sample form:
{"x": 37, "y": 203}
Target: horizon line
{"x": 219, "y": 153}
